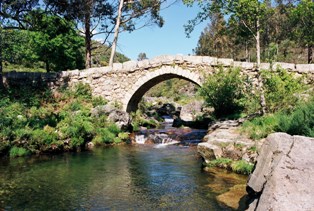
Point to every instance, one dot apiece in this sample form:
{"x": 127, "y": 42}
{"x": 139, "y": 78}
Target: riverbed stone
{"x": 209, "y": 151}
{"x": 282, "y": 176}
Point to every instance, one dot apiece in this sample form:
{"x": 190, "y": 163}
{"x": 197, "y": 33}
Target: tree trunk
{"x": 1, "y": 67}
{"x": 309, "y": 54}
{"x": 258, "y": 64}
{"x": 47, "y": 65}
{"x": 88, "y": 39}
{"x": 246, "y": 52}
{"x": 116, "y": 34}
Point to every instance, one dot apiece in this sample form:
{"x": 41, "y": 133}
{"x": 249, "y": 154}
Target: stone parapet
{"x": 129, "y": 80}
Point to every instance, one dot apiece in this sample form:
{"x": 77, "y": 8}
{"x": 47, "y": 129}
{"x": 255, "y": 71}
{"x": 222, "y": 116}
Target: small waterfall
{"x": 140, "y": 139}
{"x": 168, "y": 121}
{"x": 166, "y": 141}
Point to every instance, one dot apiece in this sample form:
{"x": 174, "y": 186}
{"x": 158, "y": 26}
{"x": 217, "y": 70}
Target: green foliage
{"x": 18, "y": 152}
{"x": 242, "y": 167}
{"x": 52, "y": 44}
{"x": 225, "y": 92}
{"x": 300, "y": 121}
{"x": 238, "y": 166}
{"x": 123, "y": 135}
{"x": 40, "y": 121}
{"x": 83, "y": 91}
{"x": 260, "y": 127}
{"x": 302, "y": 16}
{"x": 98, "y": 101}
{"x": 139, "y": 119}
{"x": 104, "y": 135}
{"x": 282, "y": 89}
{"x": 220, "y": 162}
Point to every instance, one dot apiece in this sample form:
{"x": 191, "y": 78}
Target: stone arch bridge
{"x": 127, "y": 82}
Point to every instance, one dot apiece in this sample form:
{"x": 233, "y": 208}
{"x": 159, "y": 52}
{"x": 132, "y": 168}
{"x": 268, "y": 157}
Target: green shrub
{"x": 220, "y": 162}
{"x": 300, "y": 121}
{"x": 44, "y": 136}
{"x": 282, "y": 89}
{"x": 225, "y": 92}
{"x": 242, "y": 167}
{"x": 260, "y": 127}
{"x": 83, "y": 91}
{"x": 117, "y": 140}
{"x": 123, "y": 135}
{"x": 98, "y": 101}
{"x": 18, "y": 152}
{"x": 39, "y": 121}
{"x": 113, "y": 128}
{"x": 104, "y": 135}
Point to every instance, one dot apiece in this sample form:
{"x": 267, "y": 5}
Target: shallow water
{"x": 138, "y": 177}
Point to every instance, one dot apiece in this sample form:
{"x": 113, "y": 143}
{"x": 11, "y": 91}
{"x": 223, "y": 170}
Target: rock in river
{"x": 283, "y": 177}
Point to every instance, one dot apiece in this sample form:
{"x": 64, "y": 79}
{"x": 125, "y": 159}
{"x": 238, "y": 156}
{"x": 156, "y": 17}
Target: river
{"x": 130, "y": 177}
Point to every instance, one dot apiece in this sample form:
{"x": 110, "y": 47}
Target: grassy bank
{"x": 34, "y": 121}
{"x": 299, "y": 121}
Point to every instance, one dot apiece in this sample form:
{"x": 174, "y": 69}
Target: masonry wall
{"x": 121, "y": 81}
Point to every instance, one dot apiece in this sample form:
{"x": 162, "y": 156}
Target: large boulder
{"x": 226, "y": 142}
{"x": 191, "y": 110}
{"x": 283, "y": 175}
{"x": 115, "y": 115}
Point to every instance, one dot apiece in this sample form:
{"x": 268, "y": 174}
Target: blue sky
{"x": 170, "y": 39}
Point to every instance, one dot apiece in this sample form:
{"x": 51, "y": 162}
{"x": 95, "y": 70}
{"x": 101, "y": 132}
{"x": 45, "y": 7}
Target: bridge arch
{"x": 152, "y": 78}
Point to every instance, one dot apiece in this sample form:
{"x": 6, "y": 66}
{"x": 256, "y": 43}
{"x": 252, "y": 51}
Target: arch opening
{"x": 135, "y": 99}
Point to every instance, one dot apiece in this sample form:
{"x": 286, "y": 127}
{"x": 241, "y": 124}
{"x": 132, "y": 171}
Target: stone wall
{"x": 127, "y": 82}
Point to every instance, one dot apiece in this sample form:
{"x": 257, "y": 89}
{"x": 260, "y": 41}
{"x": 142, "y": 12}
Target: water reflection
{"x": 116, "y": 178}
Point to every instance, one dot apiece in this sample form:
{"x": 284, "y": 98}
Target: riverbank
{"x": 35, "y": 120}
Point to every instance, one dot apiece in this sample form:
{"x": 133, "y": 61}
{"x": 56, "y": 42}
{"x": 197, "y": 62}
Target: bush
{"x": 220, "y": 162}
{"x": 282, "y": 90}
{"x": 225, "y": 92}
{"x": 242, "y": 167}
{"x": 41, "y": 122}
{"x": 300, "y": 121}
{"x": 104, "y": 135}
{"x": 260, "y": 127}
{"x": 18, "y": 152}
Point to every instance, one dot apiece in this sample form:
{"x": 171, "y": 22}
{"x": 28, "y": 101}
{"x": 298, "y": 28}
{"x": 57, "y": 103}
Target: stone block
{"x": 209, "y": 151}
{"x": 117, "y": 67}
{"x": 286, "y": 66}
{"x": 104, "y": 70}
{"x": 244, "y": 65}
{"x": 194, "y": 60}
{"x": 129, "y": 66}
{"x": 156, "y": 61}
{"x": 225, "y": 62}
{"x": 178, "y": 59}
{"x": 74, "y": 73}
{"x": 265, "y": 66}
{"x": 305, "y": 68}
{"x": 165, "y": 59}
{"x": 143, "y": 64}
{"x": 210, "y": 60}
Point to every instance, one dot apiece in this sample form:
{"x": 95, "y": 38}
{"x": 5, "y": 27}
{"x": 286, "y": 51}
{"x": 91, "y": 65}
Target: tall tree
{"x": 129, "y": 12}
{"x": 248, "y": 13}
{"x": 214, "y": 40}
{"x": 303, "y": 18}
{"x": 141, "y": 56}
{"x": 116, "y": 33}
{"x": 92, "y": 17}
